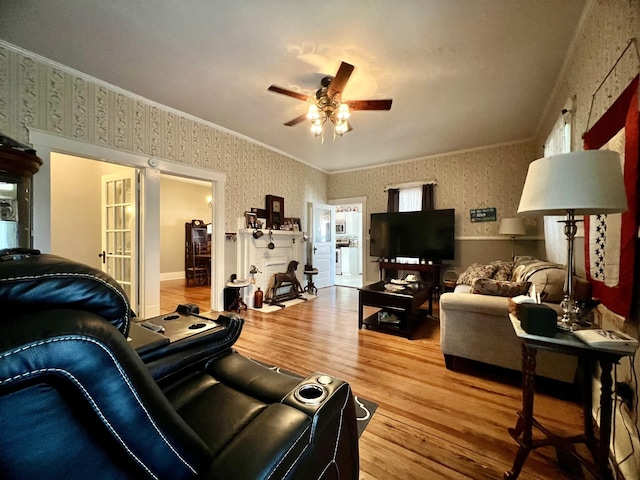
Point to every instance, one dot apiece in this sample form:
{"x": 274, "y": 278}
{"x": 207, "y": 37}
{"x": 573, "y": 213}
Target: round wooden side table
{"x": 310, "y": 287}
{"x": 238, "y": 304}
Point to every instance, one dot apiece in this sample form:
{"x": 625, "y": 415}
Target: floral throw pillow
{"x": 504, "y": 271}
{"x": 475, "y": 271}
{"x": 497, "y": 288}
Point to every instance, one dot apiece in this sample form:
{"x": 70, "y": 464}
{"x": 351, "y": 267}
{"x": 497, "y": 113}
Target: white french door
{"x": 120, "y": 231}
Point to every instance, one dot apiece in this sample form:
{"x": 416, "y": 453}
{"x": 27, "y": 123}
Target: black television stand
{"x": 428, "y": 271}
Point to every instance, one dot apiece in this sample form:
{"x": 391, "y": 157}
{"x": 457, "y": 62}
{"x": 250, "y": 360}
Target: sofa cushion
{"x": 475, "y": 271}
{"x": 490, "y": 286}
{"x": 548, "y": 278}
{"x": 504, "y": 270}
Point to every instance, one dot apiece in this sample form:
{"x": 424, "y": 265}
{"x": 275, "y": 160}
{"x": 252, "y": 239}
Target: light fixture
{"x": 326, "y": 109}
{"x": 513, "y": 227}
{"x": 209, "y": 200}
{"x": 577, "y": 183}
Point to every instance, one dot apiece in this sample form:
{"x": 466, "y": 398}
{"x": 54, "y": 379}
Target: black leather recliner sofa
{"x": 78, "y": 401}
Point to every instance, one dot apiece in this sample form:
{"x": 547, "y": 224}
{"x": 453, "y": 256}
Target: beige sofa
{"x": 477, "y": 326}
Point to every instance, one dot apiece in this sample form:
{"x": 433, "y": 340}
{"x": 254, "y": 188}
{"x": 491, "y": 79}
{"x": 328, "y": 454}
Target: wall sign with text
{"x": 483, "y": 214}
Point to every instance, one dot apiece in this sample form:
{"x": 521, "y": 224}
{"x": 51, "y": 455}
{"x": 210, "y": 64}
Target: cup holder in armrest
{"x": 310, "y": 393}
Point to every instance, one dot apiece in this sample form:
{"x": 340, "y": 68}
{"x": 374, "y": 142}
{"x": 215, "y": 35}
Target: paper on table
{"x": 607, "y": 339}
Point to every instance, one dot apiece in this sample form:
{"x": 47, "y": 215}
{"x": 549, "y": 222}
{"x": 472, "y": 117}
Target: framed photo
{"x": 275, "y": 212}
{"x": 261, "y": 212}
{"x": 250, "y": 220}
{"x": 297, "y": 226}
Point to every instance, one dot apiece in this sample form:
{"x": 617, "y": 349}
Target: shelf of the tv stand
{"x": 432, "y": 269}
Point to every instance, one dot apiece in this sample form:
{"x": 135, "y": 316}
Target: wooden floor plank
{"x": 431, "y": 423}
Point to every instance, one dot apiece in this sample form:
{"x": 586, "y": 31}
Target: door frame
{"x": 150, "y": 167}
{"x": 364, "y": 227}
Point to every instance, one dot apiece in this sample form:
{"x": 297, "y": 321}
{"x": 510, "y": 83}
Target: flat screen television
{"x": 426, "y": 235}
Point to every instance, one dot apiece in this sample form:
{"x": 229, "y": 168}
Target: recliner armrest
{"x": 179, "y": 357}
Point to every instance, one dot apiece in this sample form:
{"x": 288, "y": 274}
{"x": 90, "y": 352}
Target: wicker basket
{"x": 449, "y": 280}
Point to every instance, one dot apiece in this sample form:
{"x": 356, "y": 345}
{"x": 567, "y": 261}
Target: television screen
{"x": 426, "y": 235}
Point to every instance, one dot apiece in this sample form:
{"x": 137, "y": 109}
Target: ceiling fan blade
{"x": 290, "y": 93}
{"x": 340, "y": 80}
{"x": 369, "y": 104}
{"x": 296, "y": 120}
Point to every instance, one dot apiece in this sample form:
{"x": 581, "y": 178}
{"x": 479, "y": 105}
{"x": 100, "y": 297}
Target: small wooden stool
{"x": 310, "y": 287}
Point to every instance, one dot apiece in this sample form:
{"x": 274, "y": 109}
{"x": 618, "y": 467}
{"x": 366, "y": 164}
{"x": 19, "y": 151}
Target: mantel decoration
{"x": 275, "y": 212}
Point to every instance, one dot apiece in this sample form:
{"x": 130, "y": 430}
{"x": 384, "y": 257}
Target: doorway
{"x": 149, "y": 169}
{"x": 78, "y": 233}
{"x": 349, "y": 242}
{"x": 182, "y": 200}
{"x": 94, "y": 217}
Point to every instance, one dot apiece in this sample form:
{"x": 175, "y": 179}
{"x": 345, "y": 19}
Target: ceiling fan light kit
{"x": 328, "y": 105}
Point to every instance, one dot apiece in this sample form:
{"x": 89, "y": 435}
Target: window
{"x": 558, "y": 141}
{"x": 410, "y": 199}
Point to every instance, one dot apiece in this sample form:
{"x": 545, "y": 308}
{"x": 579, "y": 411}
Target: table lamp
{"x": 578, "y": 183}
{"x": 513, "y": 227}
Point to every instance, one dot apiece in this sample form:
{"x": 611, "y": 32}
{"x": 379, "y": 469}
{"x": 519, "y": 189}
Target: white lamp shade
{"x": 512, "y": 226}
{"x": 588, "y": 182}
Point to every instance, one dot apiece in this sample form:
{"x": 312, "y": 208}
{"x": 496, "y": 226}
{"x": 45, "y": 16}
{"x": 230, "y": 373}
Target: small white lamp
{"x": 577, "y": 183}
{"x": 514, "y": 227}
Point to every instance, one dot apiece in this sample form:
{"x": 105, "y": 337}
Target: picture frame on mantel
{"x": 275, "y": 211}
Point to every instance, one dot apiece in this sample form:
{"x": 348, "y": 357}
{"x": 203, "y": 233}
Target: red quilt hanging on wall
{"x": 610, "y": 240}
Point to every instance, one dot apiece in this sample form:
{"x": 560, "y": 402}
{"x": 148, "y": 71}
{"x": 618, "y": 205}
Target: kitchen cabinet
{"x": 348, "y": 223}
{"x": 349, "y": 257}
{"x": 352, "y": 223}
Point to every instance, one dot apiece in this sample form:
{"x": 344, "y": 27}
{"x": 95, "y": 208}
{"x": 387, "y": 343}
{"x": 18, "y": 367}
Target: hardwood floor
{"x": 431, "y": 423}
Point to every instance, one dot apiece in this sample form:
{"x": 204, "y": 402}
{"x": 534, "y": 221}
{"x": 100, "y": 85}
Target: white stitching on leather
{"x": 77, "y": 274}
{"x": 122, "y": 374}
{"x": 335, "y": 450}
{"x": 287, "y": 452}
{"x": 91, "y": 401}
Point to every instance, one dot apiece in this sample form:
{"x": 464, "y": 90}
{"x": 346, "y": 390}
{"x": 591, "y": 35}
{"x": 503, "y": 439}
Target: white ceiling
{"x": 461, "y": 73}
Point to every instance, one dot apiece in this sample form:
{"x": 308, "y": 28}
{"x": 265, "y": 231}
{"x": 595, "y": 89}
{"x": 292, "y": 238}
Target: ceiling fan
{"x": 327, "y": 104}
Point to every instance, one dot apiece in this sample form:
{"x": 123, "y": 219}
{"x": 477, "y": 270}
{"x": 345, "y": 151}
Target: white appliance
{"x": 338, "y": 262}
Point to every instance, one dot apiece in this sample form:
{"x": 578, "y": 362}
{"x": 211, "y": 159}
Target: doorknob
{"x": 315, "y": 249}
{"x": 104, "y": 256}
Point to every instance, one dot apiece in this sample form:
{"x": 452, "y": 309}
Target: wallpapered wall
{"x": 39, "y": 94}
{"x": 479, "y": 178}
{"x": 608, "y": 28}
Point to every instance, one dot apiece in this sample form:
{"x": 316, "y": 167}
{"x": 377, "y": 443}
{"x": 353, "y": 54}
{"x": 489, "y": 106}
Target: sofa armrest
{"x": 469, "y": 302}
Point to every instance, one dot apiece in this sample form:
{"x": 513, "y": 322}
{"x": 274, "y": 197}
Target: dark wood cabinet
{"x": 197, "y": 257}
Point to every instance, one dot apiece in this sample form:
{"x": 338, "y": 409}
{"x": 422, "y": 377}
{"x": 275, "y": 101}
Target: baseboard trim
{"x": 171, "y": 276}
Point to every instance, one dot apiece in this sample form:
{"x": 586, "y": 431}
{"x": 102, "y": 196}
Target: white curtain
{"x": 410, "y": 199}
{"x": 559, "y": 141}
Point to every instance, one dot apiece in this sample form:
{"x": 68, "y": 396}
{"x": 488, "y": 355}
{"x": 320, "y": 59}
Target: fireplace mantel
{"x": 288, "y": 246}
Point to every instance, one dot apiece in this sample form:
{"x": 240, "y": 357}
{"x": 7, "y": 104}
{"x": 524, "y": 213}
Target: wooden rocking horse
{"x": 279, "y": 280}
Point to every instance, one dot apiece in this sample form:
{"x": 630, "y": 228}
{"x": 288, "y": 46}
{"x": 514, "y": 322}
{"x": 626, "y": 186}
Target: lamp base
{"x": 569, "y": 316}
